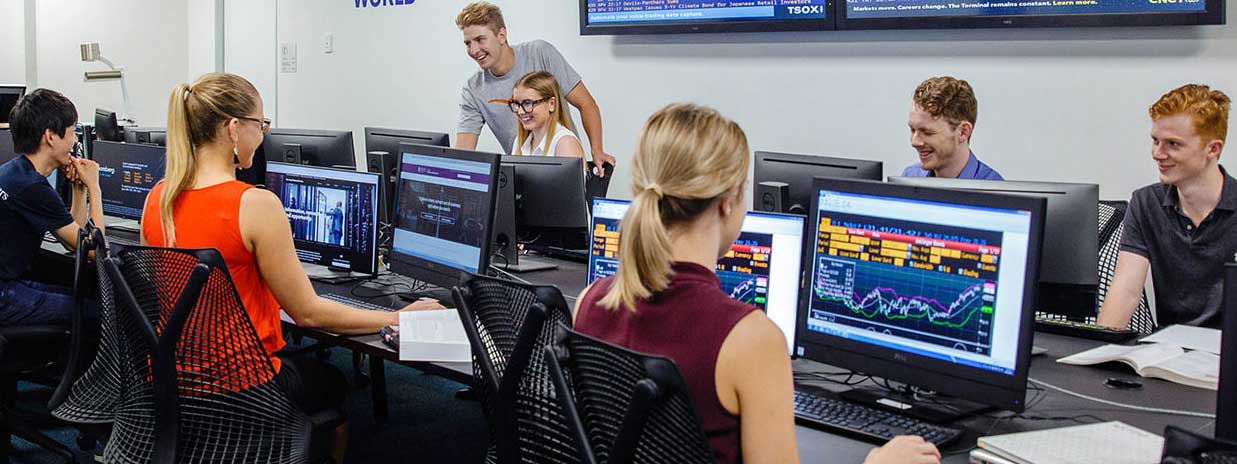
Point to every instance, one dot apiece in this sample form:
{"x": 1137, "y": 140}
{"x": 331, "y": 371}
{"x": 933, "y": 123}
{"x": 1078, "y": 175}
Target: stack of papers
{"x": 435, "y": 336}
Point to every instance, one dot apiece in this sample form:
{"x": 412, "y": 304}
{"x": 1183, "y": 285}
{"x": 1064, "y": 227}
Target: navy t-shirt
{"x": 29, "y": 207}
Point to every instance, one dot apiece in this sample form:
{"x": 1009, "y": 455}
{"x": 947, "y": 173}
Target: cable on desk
{"x": 1122, "y": 405}
{"x": 509, "y": 275}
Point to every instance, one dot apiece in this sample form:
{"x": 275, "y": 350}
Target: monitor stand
{"x": 936, "y": 409}
{"x": 524, "y": 263}
{"x": 332, "y": 275}
{"x": 124, "y": 225}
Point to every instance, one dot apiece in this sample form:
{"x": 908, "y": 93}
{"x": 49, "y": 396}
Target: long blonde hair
{"x": 688, "y": 157}
{"x": 547, "y": 86}
{"x": 195, "y": 114}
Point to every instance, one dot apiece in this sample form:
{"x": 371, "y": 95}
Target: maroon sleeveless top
{"x": 687, "y": 322}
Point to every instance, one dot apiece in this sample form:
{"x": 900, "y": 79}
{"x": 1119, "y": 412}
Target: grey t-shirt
{"x": 475, "y": 107}
{"x": 1187, "y": 261}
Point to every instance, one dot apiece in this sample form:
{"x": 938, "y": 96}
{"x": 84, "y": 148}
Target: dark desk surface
{"x": 817, "y": 446}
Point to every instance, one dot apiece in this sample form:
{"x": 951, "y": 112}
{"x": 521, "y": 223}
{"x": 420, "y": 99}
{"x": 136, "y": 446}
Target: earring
{"x": 236, "y": 159}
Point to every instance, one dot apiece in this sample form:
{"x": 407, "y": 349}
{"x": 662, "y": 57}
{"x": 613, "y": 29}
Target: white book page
{"x": 1189, "y": 337}
{"x": 1137, "y": 356}
{"x": 1200, "y": 368}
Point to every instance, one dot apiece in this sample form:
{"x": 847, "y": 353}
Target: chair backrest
{"x": 508, "y": 325}
{"x": 1185, "y": 447}
{"x": 626, "y": 407}
{"x": 196, "y": 384}
{"x": 91, "y": 398}
{"x": 1112, "y": 213}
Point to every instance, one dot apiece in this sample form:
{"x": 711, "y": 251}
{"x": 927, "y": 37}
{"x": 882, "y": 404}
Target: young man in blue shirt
{"x": 942, "y": 120}
{"x": 42, "y": 126}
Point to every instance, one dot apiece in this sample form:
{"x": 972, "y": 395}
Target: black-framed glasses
{"x": 264, "y": 122}
{"x": 526, "y": 105}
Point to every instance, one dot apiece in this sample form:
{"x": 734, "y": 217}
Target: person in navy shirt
{"x": 42, "y": 126}
{"x": 942, "y": 121}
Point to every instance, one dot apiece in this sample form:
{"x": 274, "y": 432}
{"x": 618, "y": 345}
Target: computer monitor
{"x": 9, "y": 95}
{"x": 7, "y": 152}
{"x": 783, "y": 181}
{"x": 106, "y": 127}
{"x": 333, "y": 214}
{"x": 929, "y": 287}
{"x": 549, "y": 192}
{"x": 1226, "y": 407}
{"x": 147, "y": 135}
{"x": 1069, "y": 267}
{"x": 763, "y": 267}
{"x": 445, "y": 209}
{"x": 322, "y": 148}
{"x": 385, "y": 140}
{"x": 127, "y": 172}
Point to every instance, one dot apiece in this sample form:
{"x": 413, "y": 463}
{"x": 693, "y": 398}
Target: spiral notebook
{"x": 1106, "y": 442}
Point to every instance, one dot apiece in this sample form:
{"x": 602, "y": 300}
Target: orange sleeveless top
{"x": 210, "y": 218}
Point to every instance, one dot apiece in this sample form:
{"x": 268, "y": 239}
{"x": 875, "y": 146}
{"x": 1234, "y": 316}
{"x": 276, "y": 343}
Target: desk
{"x": 821, "y": 447}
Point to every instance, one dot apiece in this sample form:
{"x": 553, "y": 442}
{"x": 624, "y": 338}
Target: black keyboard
{"x": 869, "y": 424}
{"x": 1084, "y": 330}
{"x": 350, "y": 301}
{"x": 122, "y": 241}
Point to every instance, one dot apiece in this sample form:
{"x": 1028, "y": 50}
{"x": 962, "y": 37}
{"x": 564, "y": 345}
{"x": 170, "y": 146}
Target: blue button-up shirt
{"x": 975, "y": 169}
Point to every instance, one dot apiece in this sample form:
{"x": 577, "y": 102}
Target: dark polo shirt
{"x": 1187, "y": 261}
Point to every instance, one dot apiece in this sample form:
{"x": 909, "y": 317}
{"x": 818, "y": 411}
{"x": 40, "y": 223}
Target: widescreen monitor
{"x": 797, "y": 172}
{"x": 322, "y": 148}
{"x": 9, "y": 95}
{"x": 615, "y": 17}
{"x": 928, "y": 287}
{"x": 444, "y": 213}
{"x": 762, "y": 268}
{"x": 910, "y": 14}
{"x": 333, "y": 214}
{"x": 127, "y": 172}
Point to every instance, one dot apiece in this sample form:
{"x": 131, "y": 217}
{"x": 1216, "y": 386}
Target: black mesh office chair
{"x": 508, "y": 325}
{"x": 1112, "y": 213}
{"x": 1184, "y": 447}
{"x": 91, "y": 397}
{"x": 195, "y": 384}
{"x": 627, "y": 407}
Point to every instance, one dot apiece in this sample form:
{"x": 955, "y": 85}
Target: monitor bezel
{"x": 372, "y": 264}
{"x": 1006, "y": 392}
{"x": 437, "y": 274}
{"x": 1226, "y": 407}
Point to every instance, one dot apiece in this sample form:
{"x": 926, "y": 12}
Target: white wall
{"x": 1059, "y": 104}
{"x": 13, "y": 38}
{"x": 249, "y": 46}
{"x": 200, "y": 29}
{"x": 147, "y": 37}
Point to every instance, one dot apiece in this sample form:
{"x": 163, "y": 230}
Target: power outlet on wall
{"x": 328, "y": 44}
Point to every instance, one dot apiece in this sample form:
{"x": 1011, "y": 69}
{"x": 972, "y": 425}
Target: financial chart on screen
{"x": 762, "y": 267}
{"x": 933, "y": 290}
{"x": 678, "y": 11}
{"x": 933, "y": 279}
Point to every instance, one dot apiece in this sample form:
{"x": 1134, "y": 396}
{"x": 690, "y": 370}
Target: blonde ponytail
{"x": 195, "y": 113}
{"x": 687, "y": 158}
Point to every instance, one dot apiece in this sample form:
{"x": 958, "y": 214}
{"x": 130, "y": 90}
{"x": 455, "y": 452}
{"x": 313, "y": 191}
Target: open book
{"x": 1159, "y": 360}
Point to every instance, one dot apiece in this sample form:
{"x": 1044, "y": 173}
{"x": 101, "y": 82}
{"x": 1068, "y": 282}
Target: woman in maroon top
{"x": 689, "y": 177}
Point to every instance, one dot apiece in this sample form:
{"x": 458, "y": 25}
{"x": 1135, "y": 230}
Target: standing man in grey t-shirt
{"x": 484, "y": 97}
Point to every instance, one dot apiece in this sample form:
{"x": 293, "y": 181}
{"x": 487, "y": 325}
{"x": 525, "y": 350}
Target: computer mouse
{"x": 1123, "y": 384}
